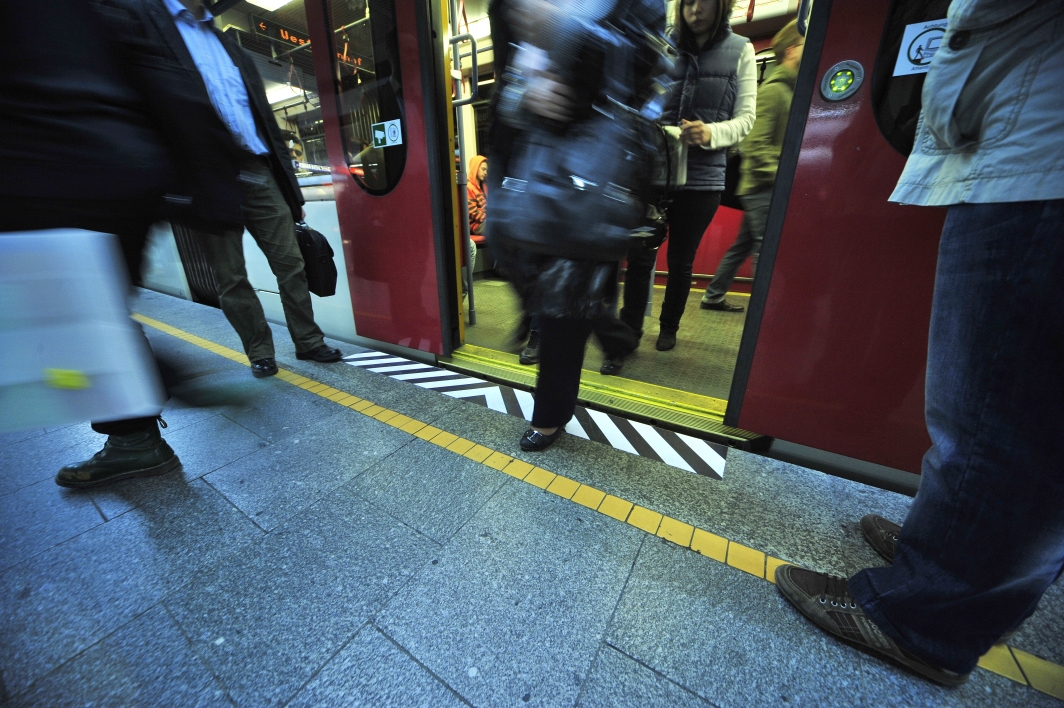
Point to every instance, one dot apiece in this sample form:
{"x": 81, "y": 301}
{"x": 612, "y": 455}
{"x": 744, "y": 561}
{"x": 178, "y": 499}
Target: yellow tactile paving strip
{"x": 1012, "y": 663}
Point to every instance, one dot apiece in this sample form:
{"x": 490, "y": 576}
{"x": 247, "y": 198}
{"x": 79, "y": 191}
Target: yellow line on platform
{"x": 1014, "y": 664}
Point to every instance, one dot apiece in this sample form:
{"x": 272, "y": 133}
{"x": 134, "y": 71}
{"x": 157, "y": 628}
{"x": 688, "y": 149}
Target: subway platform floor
{"x": 336, "y": 537}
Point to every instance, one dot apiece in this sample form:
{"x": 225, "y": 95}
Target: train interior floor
{"x": 339, "y": 537}
{"x": 702, "y": 362}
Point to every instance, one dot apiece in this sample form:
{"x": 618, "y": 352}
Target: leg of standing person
{"x": 637, "y": 277}
{"x": 984, "y": 537}
{"x": 561, "y": 357}
{"x": 689, "y": 217}
{"x": 224, "y": 251}
{"x": 747, "y": 243}
{"x": 530, "y": 354}
{"x": 269, "y": 220}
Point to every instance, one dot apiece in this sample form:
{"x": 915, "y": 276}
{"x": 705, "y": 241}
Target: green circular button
{"x": 842, "y": 80}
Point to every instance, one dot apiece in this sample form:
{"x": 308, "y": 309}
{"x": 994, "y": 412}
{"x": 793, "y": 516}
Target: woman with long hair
{"x": 713, "y": 102}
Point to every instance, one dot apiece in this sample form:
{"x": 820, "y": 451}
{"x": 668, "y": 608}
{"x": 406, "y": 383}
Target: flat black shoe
{"x": 723, "y": 306}
{"x": 612, "y": 366}
{"x": 261, "y": 368}
{"x": 882, "y": 535}
{"x": 666, "y": 341}
{"x": 827, "y": 602}
{"x": 535, "y": 441}
{"x": 323, "y": 354}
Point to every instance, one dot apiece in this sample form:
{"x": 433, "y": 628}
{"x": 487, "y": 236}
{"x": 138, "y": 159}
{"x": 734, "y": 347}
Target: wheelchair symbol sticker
{"x": 918, "y": 47}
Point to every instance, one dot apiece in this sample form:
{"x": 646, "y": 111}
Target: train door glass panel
{"x": 369, "y": 90}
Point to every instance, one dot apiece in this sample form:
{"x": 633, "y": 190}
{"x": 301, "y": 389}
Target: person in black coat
{"x": 234, "y": 169}
{"x": 81, "y": 150}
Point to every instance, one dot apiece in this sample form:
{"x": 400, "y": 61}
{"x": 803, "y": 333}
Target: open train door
{"x": 384, "y": 88}
{"x": 833, "y": 357}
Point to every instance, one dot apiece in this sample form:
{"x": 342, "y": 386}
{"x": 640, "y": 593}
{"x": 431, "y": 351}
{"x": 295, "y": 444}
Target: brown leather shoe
{"x": 826, "y": 601}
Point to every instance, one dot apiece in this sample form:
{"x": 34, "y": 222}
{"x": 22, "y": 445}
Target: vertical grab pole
{"x": 463, "y": 178}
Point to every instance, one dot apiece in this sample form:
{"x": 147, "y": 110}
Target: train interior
{"x": 690, "y": 383}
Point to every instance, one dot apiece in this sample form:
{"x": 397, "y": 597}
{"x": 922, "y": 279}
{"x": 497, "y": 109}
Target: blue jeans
{"x": 984, "y": 538}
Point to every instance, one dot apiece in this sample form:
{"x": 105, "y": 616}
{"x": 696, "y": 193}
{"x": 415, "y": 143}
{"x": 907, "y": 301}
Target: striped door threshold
{"x": 674, "y": 449}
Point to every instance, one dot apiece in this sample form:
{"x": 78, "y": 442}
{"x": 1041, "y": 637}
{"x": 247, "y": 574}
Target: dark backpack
{"x": 317, "y": 259}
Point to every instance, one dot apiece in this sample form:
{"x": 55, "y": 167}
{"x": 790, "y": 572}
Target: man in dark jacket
{"x": 80, "y": 151}
{"x": 235, "y": 146}
{"x": 761, "y": 158}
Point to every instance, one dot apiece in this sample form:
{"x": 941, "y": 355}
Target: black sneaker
{"x": 826, "y": 601}
{"x": 530, "y": 354}
{"x": 143, "y": 454}
{"x": 723, "y": 306}
{"x": 612, "y": 366}
{"x": 882, "y": 535}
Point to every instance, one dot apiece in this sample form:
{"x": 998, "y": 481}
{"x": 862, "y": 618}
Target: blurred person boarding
{"x": 231, "y": 152}
{"x": 575, "y": 178}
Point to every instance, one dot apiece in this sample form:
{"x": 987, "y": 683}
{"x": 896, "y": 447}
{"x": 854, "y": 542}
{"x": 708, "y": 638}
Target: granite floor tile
{"x": 373, "y": 671}
{"x": 429, "y": 488}
{"x": 269, "y": 622}
{"x": 727, "y": 635}
{"x": 884, "y": 685}
{"x": 617, "y": 681}
{"x": 19, "y": 435}
{"x": 270, "y": 408}
{"x": 515, "y": 610}
{"x": 42, "y": 515}
{"x": 40, "y": 457}
{"x": 148, "y": 662}
{"x": 278, "y": 481}
{"x": 1043, "y": 633}
{"x": 202, "y": 448}
{"x": 67, "y": 598}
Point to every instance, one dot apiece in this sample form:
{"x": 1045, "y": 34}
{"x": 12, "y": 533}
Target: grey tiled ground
{"x": 307, "y": 555}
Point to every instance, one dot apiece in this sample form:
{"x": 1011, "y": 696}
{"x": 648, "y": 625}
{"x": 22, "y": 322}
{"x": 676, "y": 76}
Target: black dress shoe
{"x": 261, "y": 368}
{"x": 324, "y": 354}
{"x": 666, "y": 341}
{"x": 535, "y": 441}
{"x": 723, "y": 306}
{"x": 612, "y": 366}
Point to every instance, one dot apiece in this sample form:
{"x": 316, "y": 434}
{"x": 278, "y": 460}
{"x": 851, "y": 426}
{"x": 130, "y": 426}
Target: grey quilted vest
{"x": 705, "y": 90}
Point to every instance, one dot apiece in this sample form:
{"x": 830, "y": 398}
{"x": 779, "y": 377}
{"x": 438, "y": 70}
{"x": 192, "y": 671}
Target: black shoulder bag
{"x": 317, "y": 260}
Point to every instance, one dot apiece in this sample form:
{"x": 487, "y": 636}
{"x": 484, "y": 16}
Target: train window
{"x": 365, "y": 55}
{"x": 896, "y": 96}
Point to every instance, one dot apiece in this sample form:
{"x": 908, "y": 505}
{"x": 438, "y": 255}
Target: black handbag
{"x": 317, "y": 260}
{"x": 728, "y": 197}
{"x": 579, "y": 193}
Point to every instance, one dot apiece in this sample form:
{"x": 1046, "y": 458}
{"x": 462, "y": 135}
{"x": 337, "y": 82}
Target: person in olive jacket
{"x": 761, "y": 157}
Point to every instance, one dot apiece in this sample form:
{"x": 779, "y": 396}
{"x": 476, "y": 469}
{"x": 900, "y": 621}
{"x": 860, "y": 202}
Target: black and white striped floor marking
{"x": 674, "y": 449}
